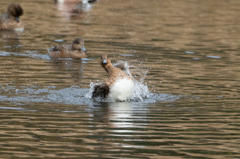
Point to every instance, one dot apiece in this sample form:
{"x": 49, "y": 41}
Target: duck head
{"x": 78, "y": 44}
{"x": 15, "y": 10}
{"x": 105, "y": 62}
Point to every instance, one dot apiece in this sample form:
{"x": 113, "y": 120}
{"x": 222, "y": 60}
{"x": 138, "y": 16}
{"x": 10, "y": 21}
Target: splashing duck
{"x": 118, "y": 87}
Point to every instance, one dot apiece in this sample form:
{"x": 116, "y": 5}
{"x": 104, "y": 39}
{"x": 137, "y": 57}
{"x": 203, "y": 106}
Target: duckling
{"x": 118, "y": 87}
{"x": 10, "y": 20}
{"x": 76, "y": 50}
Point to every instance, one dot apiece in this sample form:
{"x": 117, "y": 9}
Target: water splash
{"x": 74, "y": 96}
{"x": 88, "y": 95}
{"x": 141, "y": 91}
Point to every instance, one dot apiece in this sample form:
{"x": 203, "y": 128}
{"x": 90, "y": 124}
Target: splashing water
{"x": 75, "y": 95}
{"x": 89, "y": 94}
{"x": 141, "y": 91}
{"x": 79, "y": 96}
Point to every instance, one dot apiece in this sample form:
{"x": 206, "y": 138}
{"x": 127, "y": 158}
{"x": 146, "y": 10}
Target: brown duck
{"x": 10, "y": 20}
{"x": 118, "y": 87}
{"x": 76, "y": 50}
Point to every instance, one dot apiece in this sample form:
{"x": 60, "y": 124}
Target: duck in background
{"x": 74, "y": 7}
{"x": 76, "y": 50}
{"x": 10, "y": 20}
{"x": 74, "y": 1}
{"x": 118, "y": 87}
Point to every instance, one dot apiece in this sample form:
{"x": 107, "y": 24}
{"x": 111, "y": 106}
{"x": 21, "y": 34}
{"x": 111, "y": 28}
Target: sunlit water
{"x": 184, "y": 56}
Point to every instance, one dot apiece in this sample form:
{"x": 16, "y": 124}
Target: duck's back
{"x": 64, "y": 51}
{"x": 3, "y": 17}
{"x": 6, "y": 23}
{"x": 60, "y": 51}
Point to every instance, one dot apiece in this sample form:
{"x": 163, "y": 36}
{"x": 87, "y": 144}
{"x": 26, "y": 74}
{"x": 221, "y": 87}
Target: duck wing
{"x": 123, "y": 65}
{"x": 100, "y": 90}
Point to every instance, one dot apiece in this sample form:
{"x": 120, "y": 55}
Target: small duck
{"x": 118, "y": 87}
{"x": 10, "y": 20}
{"x": 76, "y": 50}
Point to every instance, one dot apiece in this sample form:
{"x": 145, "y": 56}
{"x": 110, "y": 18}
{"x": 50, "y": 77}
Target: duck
{"x": 73, "y": 9}
{"x": 10, "y": 20}
{"x": 118, "y": 87}
{"x": 74, "y": 1}
{"x": 76, "y": 50}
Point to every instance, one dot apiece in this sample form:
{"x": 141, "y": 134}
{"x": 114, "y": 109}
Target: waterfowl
{"x": 118, "y": 87}
{"x": 74, "y": 1}
{"x": 76, "y": 50}
{"x": 10, "y": 20}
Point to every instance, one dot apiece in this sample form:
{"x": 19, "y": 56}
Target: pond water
{"x": 185, "y": 55}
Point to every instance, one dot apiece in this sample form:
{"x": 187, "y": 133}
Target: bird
{"x": 10, "y": 20}
{"x": 74, "y": 1}
{"x": 118, "y": 87}
{"x": 76, "y": 50}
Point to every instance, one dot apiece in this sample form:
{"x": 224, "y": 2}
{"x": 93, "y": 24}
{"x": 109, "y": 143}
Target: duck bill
{"x": 104, "y": 61}
{"x": 83, "y": 48}
{"x": 17, "y": 19}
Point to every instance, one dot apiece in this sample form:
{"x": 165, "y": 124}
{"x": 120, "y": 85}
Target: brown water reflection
{"x": 189, "y": 49}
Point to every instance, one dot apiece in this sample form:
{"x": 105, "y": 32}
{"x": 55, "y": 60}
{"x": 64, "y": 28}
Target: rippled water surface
{"x": 184, "y": 54}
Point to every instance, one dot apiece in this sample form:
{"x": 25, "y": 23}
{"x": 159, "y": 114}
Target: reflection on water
{"x": 10, "y": 35}
{"x": 73, "y": 66}
{"x": 185, "y": 55}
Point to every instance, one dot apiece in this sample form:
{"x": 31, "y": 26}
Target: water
{"x": 185, "y": 55}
